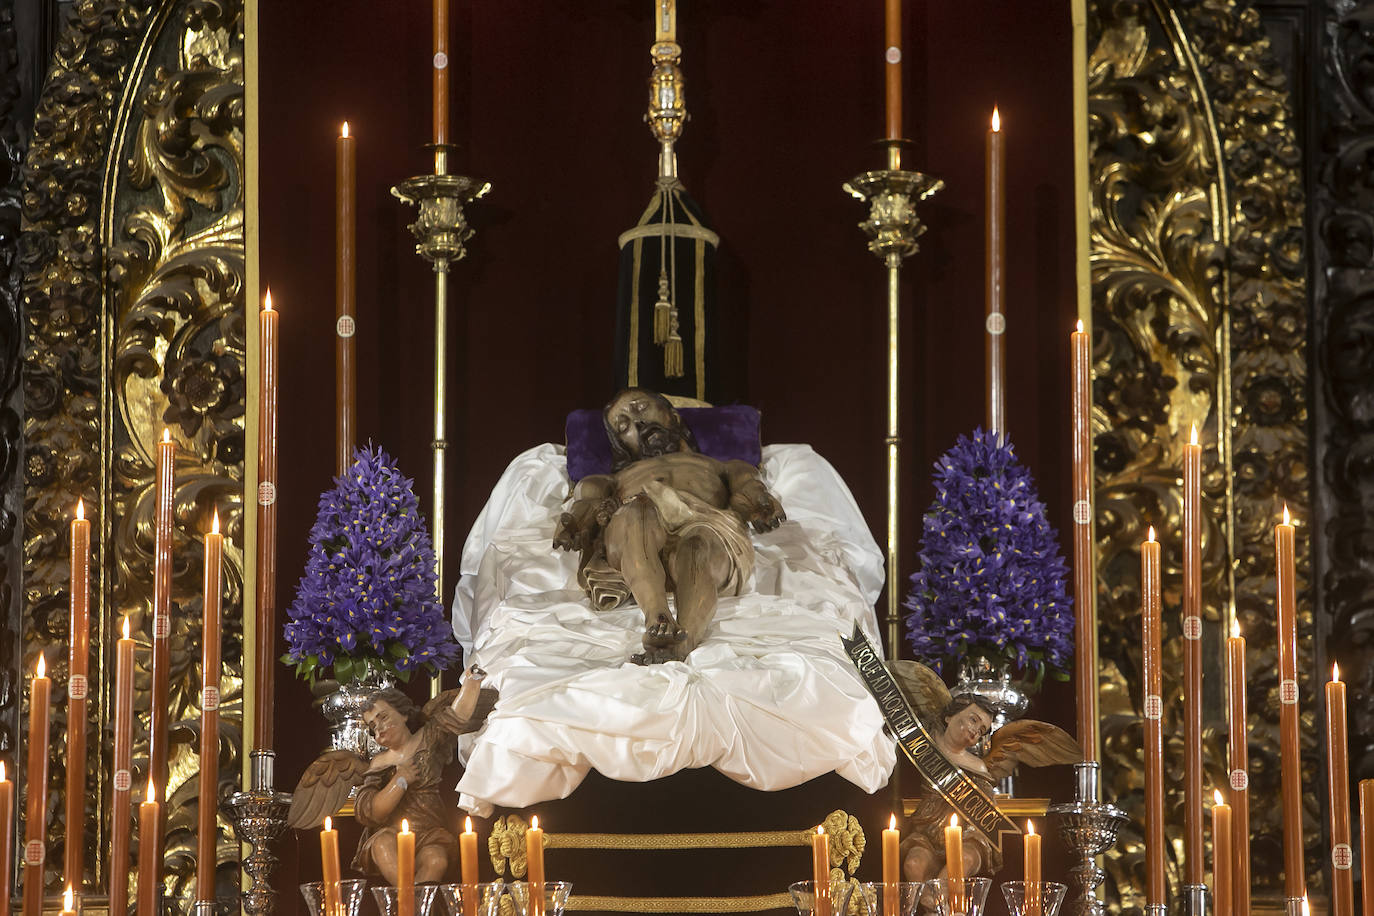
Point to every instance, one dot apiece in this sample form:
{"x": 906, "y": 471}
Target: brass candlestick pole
{"x": 440, "y": 230}
{"x": 892, "y": 228}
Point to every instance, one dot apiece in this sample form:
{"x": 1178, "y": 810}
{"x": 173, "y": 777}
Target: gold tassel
{"x": 672, "y": 353}
{"x": 663, "y": 312}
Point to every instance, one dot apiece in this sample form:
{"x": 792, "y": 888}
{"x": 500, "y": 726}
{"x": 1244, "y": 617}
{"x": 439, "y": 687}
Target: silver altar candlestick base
{"x": 204, "y": 908}
{"x": 1293, "y": 906}
{"x": 1194, "y": 900}
{"x": 1088, "y": 827}
{"x": 259, "y": 817}
{"x": 1156, "y": 909}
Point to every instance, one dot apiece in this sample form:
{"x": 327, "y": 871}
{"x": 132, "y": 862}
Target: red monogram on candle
{"x": 1288, "y": 692}
{"x": 996, "y": 323}
{"x": 162, "y": 626}
{"x": 267, "y": 493}
{"x": 1192, "y": 627}
{"x": 1341, "y": 856}
{"x": 1240, "y": 780}
{"x": 1082, "y": 512}
{"x": 209, "y": 698}
{"x": 34, "y": 852}
{"x": 345, "y": 326}
{"x": 76, "y": 687}
{"x": 1154, "y": 707}
{"x": 122, "y": 780}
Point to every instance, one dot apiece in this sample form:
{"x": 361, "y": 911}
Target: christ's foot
{"x": 663, "y": 633}
{"x": 657, "y": 656}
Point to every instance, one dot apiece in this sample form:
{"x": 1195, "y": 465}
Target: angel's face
{"x": 968, "y": 726}
{"x": 388, "y": 727}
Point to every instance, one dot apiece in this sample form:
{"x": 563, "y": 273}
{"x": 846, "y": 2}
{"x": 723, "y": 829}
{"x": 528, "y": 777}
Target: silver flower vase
{"x": 344, "y": 710}
{"x": 992, "y": 686}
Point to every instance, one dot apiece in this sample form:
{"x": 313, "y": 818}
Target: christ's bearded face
{"x": 645, "y": 425}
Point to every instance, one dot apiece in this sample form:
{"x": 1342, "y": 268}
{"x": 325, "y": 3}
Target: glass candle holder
{"x": 961, "y": 897}
{"x": 350, "y": 897}
{"x": 474, "y": 899}
{"x": 804, "y": 896}
{"x": 1033, "y": 898}
{"x": 555, "y": 896}
{"x": 388, "y": 898}
{"x": 871, "y": 897}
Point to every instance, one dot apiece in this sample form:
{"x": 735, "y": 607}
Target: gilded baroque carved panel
{"x": 1198, "y": 291}
{"x": 134, "y": 320}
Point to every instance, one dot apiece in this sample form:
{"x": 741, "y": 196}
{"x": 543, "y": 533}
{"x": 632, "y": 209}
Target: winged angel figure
{"x": 400, "y": 782}
{"x": 958, "y": 725}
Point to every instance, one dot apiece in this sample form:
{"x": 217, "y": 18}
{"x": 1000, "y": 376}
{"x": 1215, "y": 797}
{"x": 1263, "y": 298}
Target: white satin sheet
{"x": 769, "y": 698}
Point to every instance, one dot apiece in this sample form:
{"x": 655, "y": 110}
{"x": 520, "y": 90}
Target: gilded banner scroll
{"x": 1199, "y": 318}
{"x": 134, "y": 321}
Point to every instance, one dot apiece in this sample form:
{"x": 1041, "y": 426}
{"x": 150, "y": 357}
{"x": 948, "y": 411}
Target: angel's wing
{"x": 440, "y": 711}
{"x": 925, "y": 690}
{"x": 1033, "y": 743}
{"x": 324, "y": 788}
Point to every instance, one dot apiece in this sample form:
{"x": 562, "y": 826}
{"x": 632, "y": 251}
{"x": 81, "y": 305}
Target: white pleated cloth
{"x": 769, "y": 698}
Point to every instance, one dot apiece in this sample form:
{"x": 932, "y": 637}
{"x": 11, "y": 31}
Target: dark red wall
{"x": 785, "y": 98}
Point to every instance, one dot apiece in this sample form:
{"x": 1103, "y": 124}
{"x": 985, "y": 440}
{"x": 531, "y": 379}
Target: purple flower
{"x": 367, "y": 596}
{"x": 991, "y": 581}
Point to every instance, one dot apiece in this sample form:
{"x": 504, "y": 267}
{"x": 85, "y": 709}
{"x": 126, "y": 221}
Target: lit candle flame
{"x": 405, "y": 825}
{"x": 1287, "y": 519}
{"x": 42, "y": 669}
{"x": 166, "y": 434}
{"x": 996, "y": 120}
{"x": 467, "y": 825}
{"x": 954, "y": 820}
{"x": 1216, "y": 797}
{"x": 214, "y": 522}
{"x": 68, "y": 904}
{"x": 2, "y": 771}
{"x": 1192, "y": 439}
{"x": 152, "y": 795}
{"x": 126, "y": 626}
{"x": 1235, "y": 628}
{"x": 345, "y": 130}
{"x": 820, "y": 829}
{"x": 892, "y": 822}
{"x": 328, "y": 822}
{"x": 534, "y": 822}
{"x": 1151, "y": 538}
{"x": 267, "y": 301}
{"x": 1030, "y": 827}
{"x": 1080, "y": 326}
{"x": 1335, "y": 672}
{"x": 1306, "y": 910}
{"x": 80, "y": 508}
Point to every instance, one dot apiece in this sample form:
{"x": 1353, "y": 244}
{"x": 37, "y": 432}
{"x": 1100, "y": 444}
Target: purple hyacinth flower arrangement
{"x": 366, "y": 601}
{"x": 992, "y": 576}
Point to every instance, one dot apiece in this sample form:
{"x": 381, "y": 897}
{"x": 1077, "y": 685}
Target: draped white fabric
{"x": 769, "y": 698}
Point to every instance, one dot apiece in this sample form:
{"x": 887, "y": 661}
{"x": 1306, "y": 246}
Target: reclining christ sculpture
{"x": 666, "y": 519}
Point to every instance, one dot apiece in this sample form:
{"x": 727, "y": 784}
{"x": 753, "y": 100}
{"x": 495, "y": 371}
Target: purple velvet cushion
{"x": 724, "y": 433}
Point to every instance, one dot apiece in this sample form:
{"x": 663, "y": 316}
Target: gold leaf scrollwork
{"x": 506, "y": 845}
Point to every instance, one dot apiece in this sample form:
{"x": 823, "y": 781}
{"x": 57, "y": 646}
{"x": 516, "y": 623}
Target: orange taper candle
{"x": 534, "y": 862}
{"x": 1367, "y": 844}
{"x": 467, "y": 856}
{"x": 892, "y": 67}
{"x": 995, "y": 323}
{"x": 1338, "y": 798}
{"x": 149, "y": 854}
{"x": 1238, "y": 761}
{"x": 1085, "y": 626}
{"x": 6, "y": 840}
{"x": 1154, "y": 720}
{"x": 441, "y": 63}
{"x": 1223, "y": 872}
{"x": 78, "y": 666}
{"x": 1031, "y": 868}
{"x": 160, "y": 698}
{"x": 208, "y": 833}
{"x": 122, "y": 782}
{"x": 36, "y": 790}
{"x": 330, "y": 873}
{"x": 345, "y": 302}
{"x": 1192, "y": 661}
{"x": 405, "y": 870}
{"x": 1290, "y": 768}
{"x": 954, "y": 863}
{"x": 820, "y": 871}
{"x": 892, "y": 868}
{"x": 265, "y": 669}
